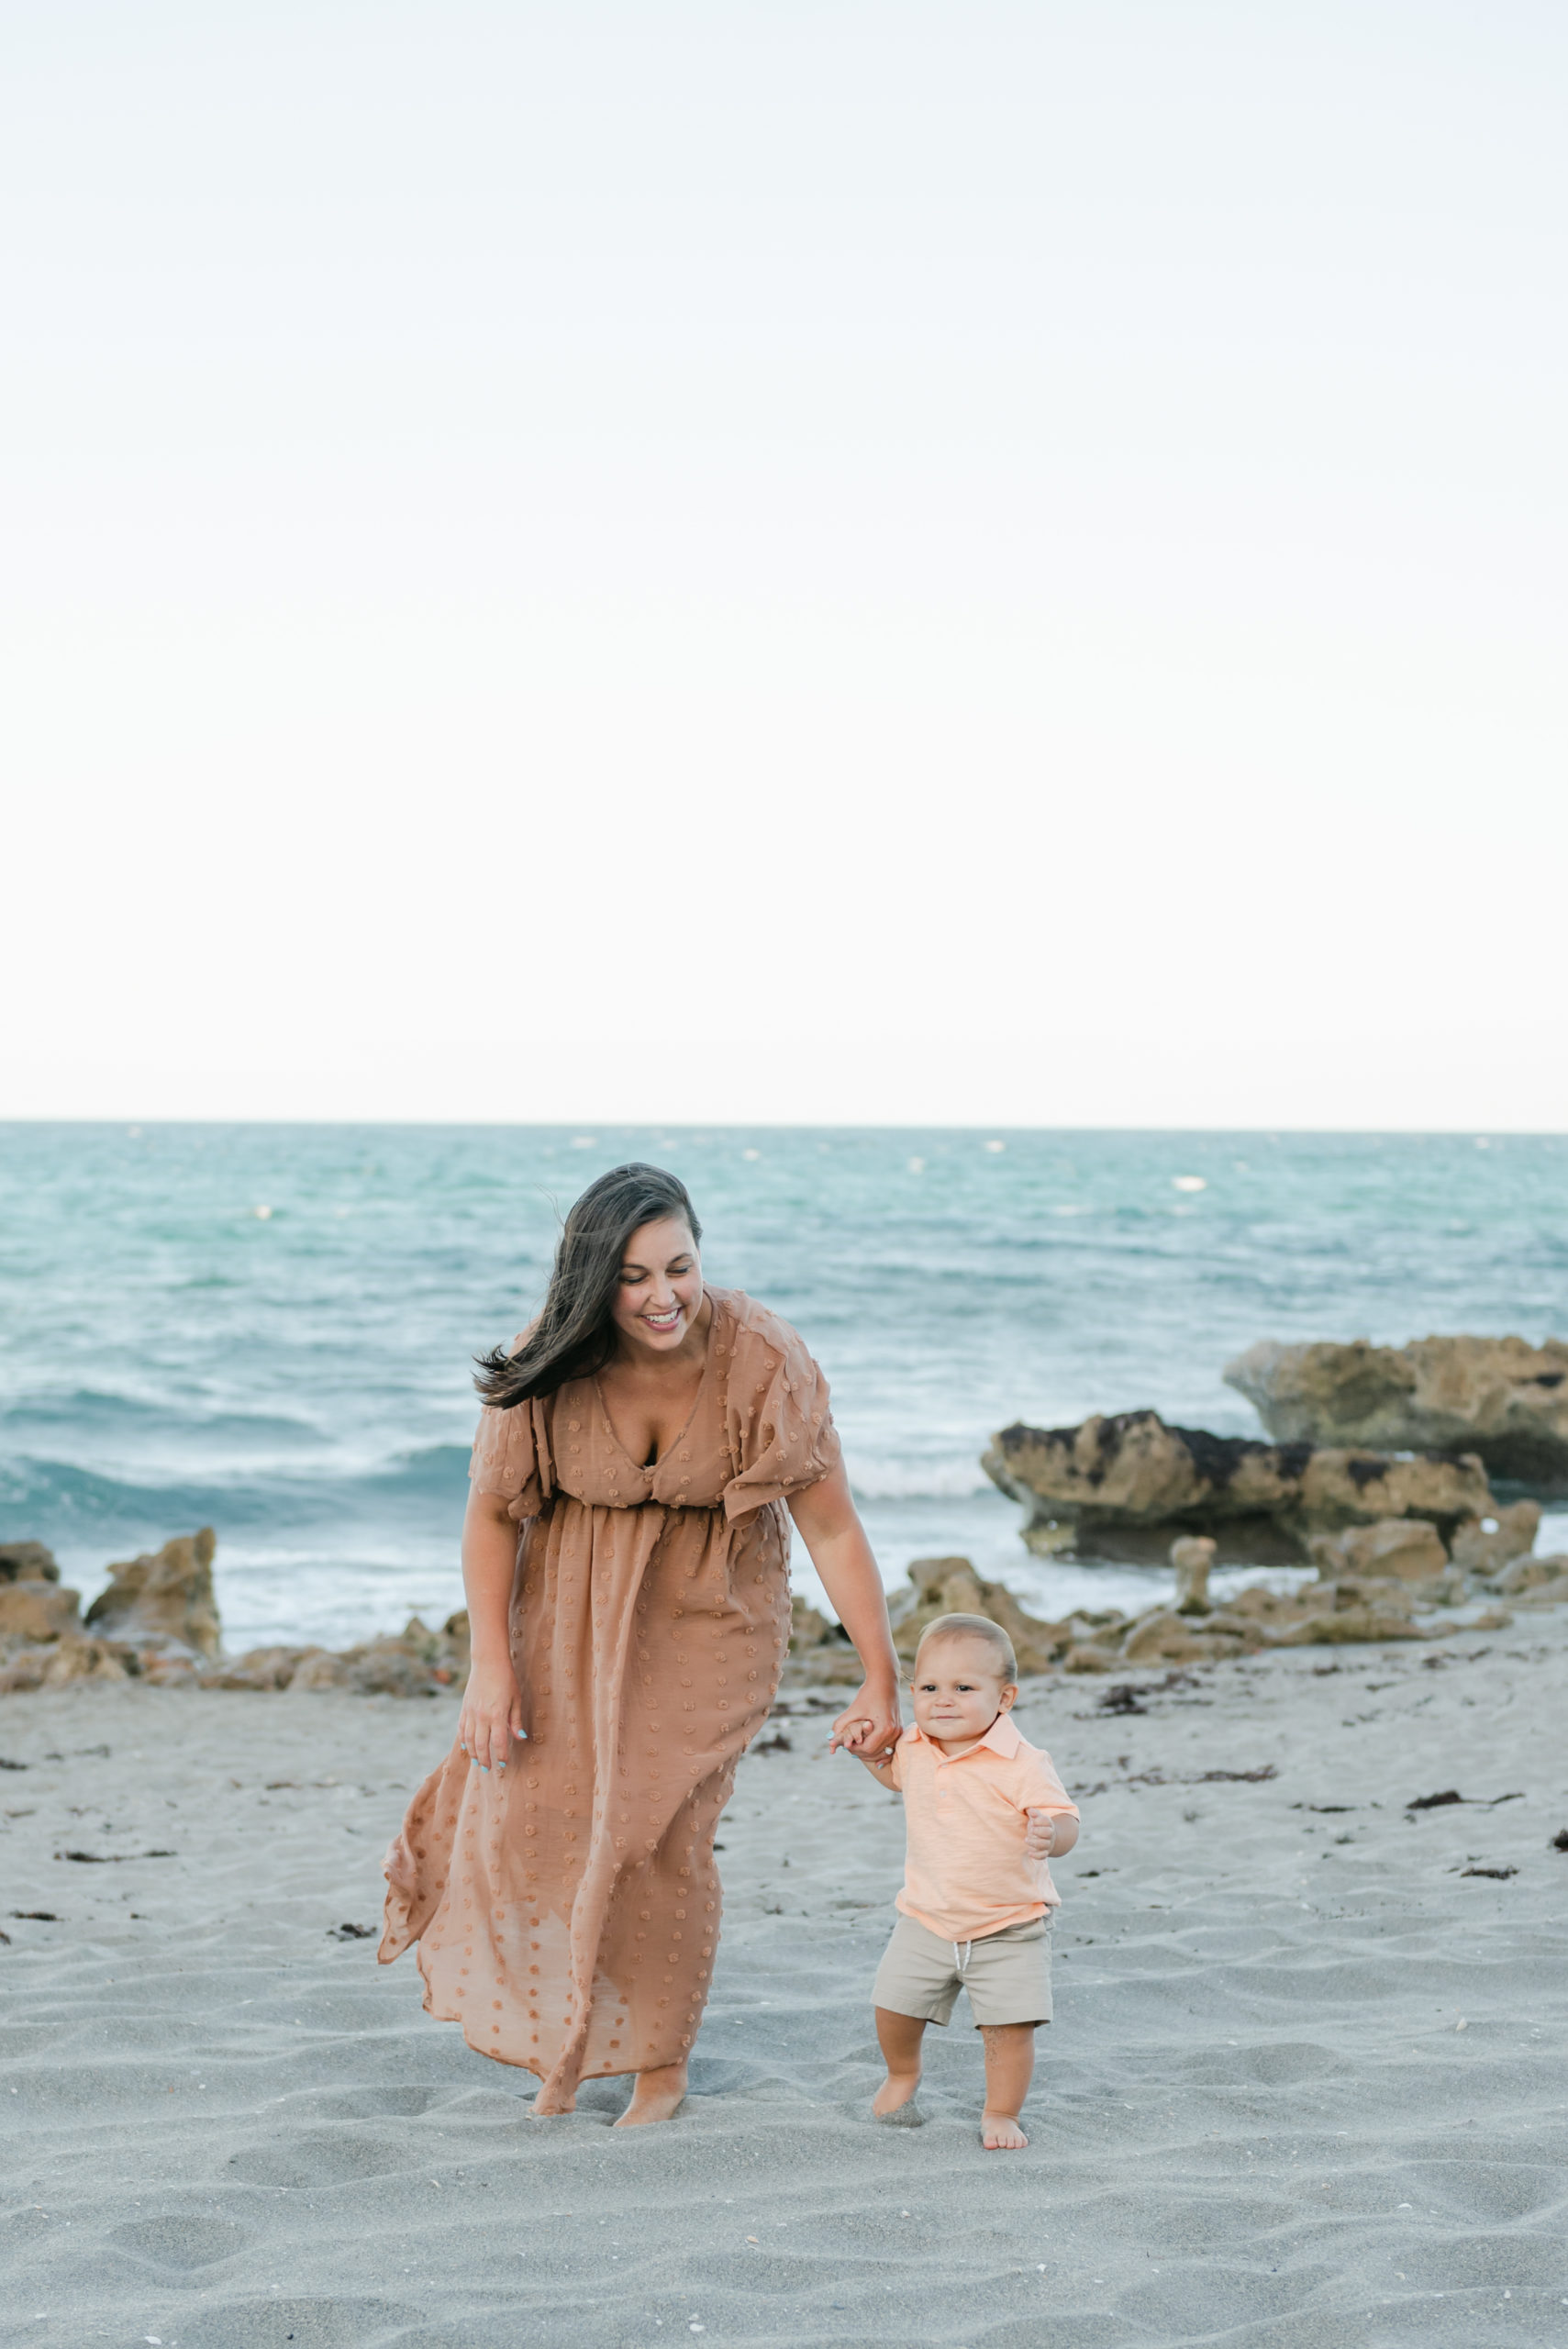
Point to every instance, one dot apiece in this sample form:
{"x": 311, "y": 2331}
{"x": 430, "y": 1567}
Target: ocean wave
{"x": 47, "y": 1499}
{"x": 915, "y": 1480}
{"x": 137, "y": 1422}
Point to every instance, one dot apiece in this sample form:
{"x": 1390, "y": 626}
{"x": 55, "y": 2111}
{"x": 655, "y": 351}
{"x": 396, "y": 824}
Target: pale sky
{"x": 818, "y": 562}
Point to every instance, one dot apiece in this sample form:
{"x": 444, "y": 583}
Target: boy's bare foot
{"x": 897, "y": 2091}
{"x": 657, "y": 2096}
{"x": 1000, "y": 2133}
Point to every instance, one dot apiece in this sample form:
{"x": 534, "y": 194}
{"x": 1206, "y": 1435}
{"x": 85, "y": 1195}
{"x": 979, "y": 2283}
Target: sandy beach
{"x": 1306, "y": 2084}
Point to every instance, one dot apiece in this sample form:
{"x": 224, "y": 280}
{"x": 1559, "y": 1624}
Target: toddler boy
{"x": 983, "y": 1811}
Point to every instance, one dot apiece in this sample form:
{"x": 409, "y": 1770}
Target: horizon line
{"x": 127, "y": 1123}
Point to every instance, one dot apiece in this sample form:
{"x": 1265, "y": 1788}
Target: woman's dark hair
{"x": 575, "y": 1337}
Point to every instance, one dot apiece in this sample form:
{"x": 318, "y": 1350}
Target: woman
{"x": 626, "y": 1559}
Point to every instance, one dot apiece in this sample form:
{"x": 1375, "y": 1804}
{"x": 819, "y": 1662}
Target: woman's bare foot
{"x": 1000, "y": 2133}
{"x": 555, "y": 2108}
{"x": 657, "y": 2096}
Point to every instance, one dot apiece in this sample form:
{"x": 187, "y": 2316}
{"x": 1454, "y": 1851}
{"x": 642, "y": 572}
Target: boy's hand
{"x": 1039, "y": 1835}
{"x": 869, "y": 1726}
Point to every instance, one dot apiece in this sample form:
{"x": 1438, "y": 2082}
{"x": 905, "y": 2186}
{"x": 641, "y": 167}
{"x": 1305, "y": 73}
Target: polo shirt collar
{"x": 1003, "y": 1737}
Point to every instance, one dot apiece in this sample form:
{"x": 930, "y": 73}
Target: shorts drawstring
{"x": 962, "y": 1963}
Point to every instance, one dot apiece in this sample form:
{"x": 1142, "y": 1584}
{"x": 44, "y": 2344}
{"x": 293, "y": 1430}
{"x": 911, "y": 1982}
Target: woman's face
{"x": 659, "y": 1296}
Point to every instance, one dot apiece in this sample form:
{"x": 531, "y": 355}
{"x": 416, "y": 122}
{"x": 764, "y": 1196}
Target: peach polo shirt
{"x": 964, "y": 1870}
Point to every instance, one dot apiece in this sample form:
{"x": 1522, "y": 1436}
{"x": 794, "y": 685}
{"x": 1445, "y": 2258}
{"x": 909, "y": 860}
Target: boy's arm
{"x": 1051, "y": 1816}
{"x": 1048, "y": 1832}
{"x": 882, "y": 1768}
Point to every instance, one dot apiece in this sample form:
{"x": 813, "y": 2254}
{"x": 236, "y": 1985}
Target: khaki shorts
{"x": 1006, "y": 1974}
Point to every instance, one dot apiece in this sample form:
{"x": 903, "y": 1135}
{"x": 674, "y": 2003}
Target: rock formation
{"x": 34, "y": 1609}
{"x": 820, "y": 1650}
{"x": 37, "y": 1611}
{"x": 952, "y": 1586}
{"x": 27, "y": 1562}
{"x": 1526, "y": 1575}
{"x": 1120, "y": 1487}
{"x": 1484, "y": 1545}
{"x": 1372, "y": 1586}
{"x": 1501, "y": 1399}
{"x": 158, "y": 1621}
{"x": 164, "y": 1598}
{"x": 1389, "y": 1579}
{"x": 1192, "y": 1556}
{"x": 415, "y": 1661}
{"x": 1406, "y": 1549}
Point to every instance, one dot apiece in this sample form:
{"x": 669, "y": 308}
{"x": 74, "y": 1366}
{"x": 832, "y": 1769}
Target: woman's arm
{"x": 492, "y": 1712}
{"x": 836, "y": 1538}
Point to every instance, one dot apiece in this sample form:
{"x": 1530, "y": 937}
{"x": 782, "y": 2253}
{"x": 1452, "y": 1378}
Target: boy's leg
{"x": 919, "y": 1971}
{"x": 899, "y": 2037}
{"x": 1009, "y": 2068}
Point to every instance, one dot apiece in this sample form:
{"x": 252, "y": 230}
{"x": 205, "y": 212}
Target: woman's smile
{"x": 659, "y": 1296}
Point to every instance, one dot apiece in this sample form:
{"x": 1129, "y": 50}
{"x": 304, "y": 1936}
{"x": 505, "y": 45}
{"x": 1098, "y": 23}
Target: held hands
{"x": 870, "y": 1725}
{"x": 1039, "y": 1835}
{"x": 492, "y": 1716}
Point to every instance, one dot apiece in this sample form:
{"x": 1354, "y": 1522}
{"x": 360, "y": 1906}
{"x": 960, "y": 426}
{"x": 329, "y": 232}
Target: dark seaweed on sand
{"x": 1451, "y": 1794}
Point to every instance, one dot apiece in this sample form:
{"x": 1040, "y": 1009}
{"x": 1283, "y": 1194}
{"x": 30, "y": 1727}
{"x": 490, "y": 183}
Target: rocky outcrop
{"x": 419, "y": 1663}
{"x": 1404, "y": 1549}
{"x": 952, "y": 1586}
{"x": 164, "y": 1597}
{"x": 1534, "y": 1574}
{"x": 820, "y": 1650}
{"x": 1390, "y": 1598}
{"x": 37, "y": 1611}
{"x": 27, "y": 1562}
{"x": 157, "y": 1623}
{"x": 415, "y": 1662}
{"x": 1485, "y": 1545}
{"x": 1193, "y": 1555}
{"x": 63, "y": 1661}
{"x": 1501, "y": 1399}
{"x": 1120, "y": 1487}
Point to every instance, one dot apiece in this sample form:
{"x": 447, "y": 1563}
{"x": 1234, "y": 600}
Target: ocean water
{"x": 269, "y": 1328}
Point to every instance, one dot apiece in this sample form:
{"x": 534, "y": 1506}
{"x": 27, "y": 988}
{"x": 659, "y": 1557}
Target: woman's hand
{"x": 492, "y": 1716}
{"x": 833, "y": 1534}
{"x": 869, "y": 1726}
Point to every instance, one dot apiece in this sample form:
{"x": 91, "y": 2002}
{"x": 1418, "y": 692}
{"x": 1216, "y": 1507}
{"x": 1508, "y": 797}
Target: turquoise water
{"x": 269, "y": 1329}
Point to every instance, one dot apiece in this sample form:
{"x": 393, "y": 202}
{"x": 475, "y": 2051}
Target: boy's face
{"x": 958, "y": 1688}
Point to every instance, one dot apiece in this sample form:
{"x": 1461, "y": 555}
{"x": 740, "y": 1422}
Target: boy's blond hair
{"x": 973, "y": 1626}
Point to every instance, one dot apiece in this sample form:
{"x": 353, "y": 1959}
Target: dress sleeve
{"x": 511, "y": 1456}
{"x": 778, "y": 1420}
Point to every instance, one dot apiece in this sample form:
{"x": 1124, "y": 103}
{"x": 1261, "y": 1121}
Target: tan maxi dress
{"x": 567, "y": 1909}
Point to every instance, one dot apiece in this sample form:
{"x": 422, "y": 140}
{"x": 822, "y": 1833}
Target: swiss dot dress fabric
{"x": 567, "y": 1910}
